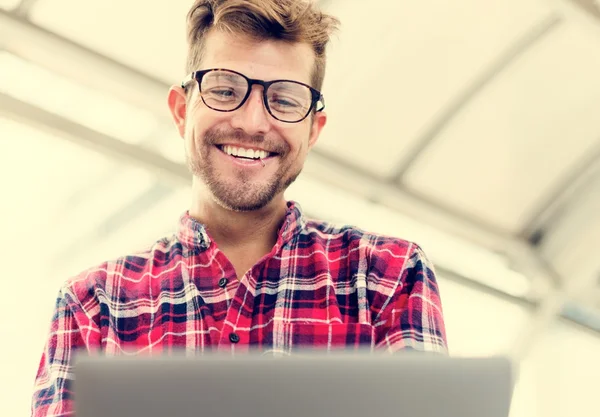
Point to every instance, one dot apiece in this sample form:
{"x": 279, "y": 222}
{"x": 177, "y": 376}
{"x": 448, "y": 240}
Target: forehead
{"x": 267, "y": 60}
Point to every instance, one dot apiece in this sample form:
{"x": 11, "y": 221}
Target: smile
{"x": 245, "y": 153}
{"x": 246, "y": 157}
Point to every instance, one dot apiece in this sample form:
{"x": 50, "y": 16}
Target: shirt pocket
{"x": 327, "y": 337}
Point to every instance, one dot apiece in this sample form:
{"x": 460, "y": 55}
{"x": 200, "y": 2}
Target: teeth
{"x": 246, "y": 153}
{"x": 261, "y": 154}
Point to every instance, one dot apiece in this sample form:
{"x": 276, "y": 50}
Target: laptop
{"x": 305, "y": 386}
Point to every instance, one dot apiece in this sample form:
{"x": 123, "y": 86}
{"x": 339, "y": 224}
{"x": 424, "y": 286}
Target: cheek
{"x": 194, "y": 129}
{"x": 190, "y": 139}
{"x": 305, "y": 140}
{"x": 298, "y": 140}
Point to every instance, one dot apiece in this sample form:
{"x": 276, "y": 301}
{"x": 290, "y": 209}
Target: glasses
{"x": 286, "y": 100}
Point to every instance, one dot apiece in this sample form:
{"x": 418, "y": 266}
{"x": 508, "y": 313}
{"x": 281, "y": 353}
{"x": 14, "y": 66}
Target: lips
{"x": 246, "y": 152}
{"x": 247, "y": 161}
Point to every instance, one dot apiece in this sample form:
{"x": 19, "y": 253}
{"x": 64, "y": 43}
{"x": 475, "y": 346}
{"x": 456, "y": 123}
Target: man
{"x": 246, "y": 270}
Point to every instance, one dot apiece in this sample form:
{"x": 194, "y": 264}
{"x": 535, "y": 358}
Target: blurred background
{"x": 470, "y": 127}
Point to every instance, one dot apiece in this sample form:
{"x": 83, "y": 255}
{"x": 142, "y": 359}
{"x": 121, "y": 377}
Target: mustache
{"x": 220, "y": 137}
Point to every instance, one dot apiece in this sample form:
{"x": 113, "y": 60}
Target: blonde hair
{"x": 294, "y": 21}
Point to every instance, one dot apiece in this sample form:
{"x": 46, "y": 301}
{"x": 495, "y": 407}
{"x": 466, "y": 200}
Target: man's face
{"x": 239, "y": 183}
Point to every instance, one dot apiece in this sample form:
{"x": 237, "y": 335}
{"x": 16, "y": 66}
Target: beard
{"x": 243, "y": 193}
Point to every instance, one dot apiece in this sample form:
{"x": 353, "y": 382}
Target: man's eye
{"x": 284, "y": 102}
{"x": 225, "y": 93}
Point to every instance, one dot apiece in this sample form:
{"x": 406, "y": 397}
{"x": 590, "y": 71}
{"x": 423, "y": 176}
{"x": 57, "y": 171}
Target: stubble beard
{"x": 242, "y": 194}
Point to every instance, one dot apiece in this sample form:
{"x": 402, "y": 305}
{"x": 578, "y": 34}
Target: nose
{"x": 252, "y": 117}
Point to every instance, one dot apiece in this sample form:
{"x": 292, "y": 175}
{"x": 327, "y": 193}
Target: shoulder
{"x": 122, "y": 275}
{"x": 375, "y": 245}
{"x": 380, "y": 256}
{"x": 391, "y": 265}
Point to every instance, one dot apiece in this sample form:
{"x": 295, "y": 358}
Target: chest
{"x": 265, "y": 309}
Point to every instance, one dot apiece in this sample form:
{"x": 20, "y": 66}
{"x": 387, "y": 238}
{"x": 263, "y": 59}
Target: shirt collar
{"x": 193, "y": 234}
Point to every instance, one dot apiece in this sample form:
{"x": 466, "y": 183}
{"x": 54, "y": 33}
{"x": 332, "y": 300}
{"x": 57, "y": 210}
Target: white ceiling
{"x": 513, "y": 143}
{"x": 149, "y": 39}
{"x": 393, "y": 72}
{"x": 9, "y": 4}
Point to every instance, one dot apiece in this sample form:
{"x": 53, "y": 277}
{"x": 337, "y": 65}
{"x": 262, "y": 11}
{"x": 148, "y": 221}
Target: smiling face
{"x": 246, "y": 157}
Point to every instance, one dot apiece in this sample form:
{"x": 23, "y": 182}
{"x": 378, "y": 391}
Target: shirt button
{"x": 234, "y": 338}
{"x": 223, "y": 282}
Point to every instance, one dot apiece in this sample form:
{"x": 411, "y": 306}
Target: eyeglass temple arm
{"x": 322, "y": 100}
{"x": 188, "y": 80}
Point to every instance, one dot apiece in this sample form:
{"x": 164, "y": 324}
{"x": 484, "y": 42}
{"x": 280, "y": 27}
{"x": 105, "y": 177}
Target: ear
{"x": 178, "y": 104}
{"x": 318, "y": 123}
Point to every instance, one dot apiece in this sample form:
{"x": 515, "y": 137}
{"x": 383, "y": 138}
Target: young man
{"x": 246, "y": 270}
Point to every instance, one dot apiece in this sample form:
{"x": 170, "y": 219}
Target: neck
{"x": 231, "y": 229}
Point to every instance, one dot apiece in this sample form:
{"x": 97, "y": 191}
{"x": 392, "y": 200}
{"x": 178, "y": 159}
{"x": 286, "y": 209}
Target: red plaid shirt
{"x": 321, "y": 287}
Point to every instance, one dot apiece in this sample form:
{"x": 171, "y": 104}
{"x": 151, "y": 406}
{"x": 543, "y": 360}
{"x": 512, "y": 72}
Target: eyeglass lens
{"x": 286, "y": 100}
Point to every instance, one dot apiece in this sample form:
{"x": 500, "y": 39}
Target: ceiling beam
{"x": 24, "y": 8}
{"x": 565, "y": 192}
{"x": 591, "y": 7}
{"x": 63, "y": 128}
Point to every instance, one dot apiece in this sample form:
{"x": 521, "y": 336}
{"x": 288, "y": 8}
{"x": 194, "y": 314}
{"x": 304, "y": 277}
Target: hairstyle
{"x": 293, "y": 21}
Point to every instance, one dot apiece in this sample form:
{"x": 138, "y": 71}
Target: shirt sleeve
{"x": 412, "y": 317}
{"x": 69, "y": 333}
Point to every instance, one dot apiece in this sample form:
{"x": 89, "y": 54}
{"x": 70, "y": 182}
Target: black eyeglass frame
{"x": 316, "y": 95}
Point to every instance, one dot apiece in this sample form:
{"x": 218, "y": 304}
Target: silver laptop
{"x": 304, "y": 386}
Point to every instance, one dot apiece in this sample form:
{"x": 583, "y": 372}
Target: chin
{"x": 242, "y": 206}
{"x": 243, "y": 203}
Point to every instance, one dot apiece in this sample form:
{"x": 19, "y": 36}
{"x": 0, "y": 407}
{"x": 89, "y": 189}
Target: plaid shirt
{"x": 321, "y": 287}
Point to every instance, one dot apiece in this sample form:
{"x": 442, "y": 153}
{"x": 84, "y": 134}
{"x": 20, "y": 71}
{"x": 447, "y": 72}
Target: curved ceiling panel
{"x": 149, "y": 39}
{"x": 397, "y": 65}
{"x": 511, "y": 146}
